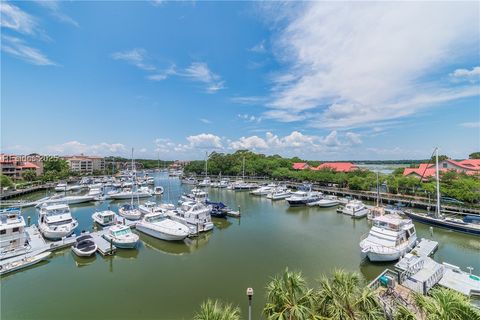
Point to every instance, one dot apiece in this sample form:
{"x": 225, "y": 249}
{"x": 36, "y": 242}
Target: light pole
{"x": 250, "y": 295}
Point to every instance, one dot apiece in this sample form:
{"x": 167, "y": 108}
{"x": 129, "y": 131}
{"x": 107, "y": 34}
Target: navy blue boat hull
{"x": 442, "y": 224}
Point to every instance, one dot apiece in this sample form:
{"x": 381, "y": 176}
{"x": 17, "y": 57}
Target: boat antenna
{"x": 378, "y": 192}
{"x": 437, "y": 177}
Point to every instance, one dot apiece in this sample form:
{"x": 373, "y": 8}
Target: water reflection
{"x": 188, "y": 245}
{"x": 83, "y": 261}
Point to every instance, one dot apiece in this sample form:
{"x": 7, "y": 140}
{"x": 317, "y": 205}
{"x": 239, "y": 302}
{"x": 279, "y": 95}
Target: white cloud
{"x": 199, "y": 71}
{"x": 259, "y": 47}
{"x": 249, "y": 118}
{"x": 465, "y": 73}
{"x": 251, "y": 143}
{"x": 375, "y": 65}
{"x": 163, "y": 74}
{"x": 204, "y": 141}
{"x": 470, "y": 124}
{"x": 353, "y": 137}
{"x": 205, "y": 120}
{"x": 14, "y": 18}
{"x": 249, "y": 100}
{"x": 136, "y": 57}
{"x": 76, "y": 147}
{"x": 20, "y": 49}
{"x": 54, "y": 7}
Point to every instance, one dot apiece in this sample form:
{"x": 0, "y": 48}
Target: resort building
{"x": 300, "y": 166}
{"x": 335, "y": 166}
{"x": 85, "y": 164}
{"x": 467, "y": 166}
{"x": 14, "y": 166}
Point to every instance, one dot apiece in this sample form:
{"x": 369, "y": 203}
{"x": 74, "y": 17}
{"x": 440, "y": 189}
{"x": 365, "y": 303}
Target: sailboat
{"x": 468, "y": 224}
{"x": 131, "y": 211}
{"x": 206, "y": 181}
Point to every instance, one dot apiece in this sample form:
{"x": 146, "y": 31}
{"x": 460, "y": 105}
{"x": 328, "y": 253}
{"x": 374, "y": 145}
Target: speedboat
{"x": 355, "y": 208}
{"x": 263, "y": 190}
{"x": 389, "y": 239}
{"x": 130, "y": 212}
{"x": 159, "y": 226}
{"x": 327, "y": 201}
{"x": 121, "y": 236}
{"x": 65, "y": 200}
{"x": 84, "y": 246}
{"x": 158, "y": 190}
{"x": 194, "y": 215}
{"x": 279, "y": 193}
{"x": 301, "y": 198}
{"x": 104, "y": 218}
{"x": 61, "y": 187}
{"x": 55, "y": 221}
{"x": 14, "y": 239}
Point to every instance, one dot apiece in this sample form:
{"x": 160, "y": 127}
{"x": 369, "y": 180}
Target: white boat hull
{"x": 122, "y": 244}
{"x": 56, "y": 234}
{"x": 158, "y": 234}
{"x": 81, "y": 253}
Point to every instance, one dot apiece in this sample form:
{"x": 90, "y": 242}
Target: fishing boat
{"x": 389, "y": 239}
{"x": 303, "y": 196}
{"x": 26, "y": 261}
{"x": 84, "y": 246}
{"x": 104, "y": 218}
{"x": 325, "y": 202}
{"x": 355, "y": 208}
{"x": 121, "y": 236}
{"x": 437, "y": 219}
{"x": 56, "y": 221}
{"x": 218, "y": 209}
{"x": 159, "y": 226}
{"x": 13, "y": 239}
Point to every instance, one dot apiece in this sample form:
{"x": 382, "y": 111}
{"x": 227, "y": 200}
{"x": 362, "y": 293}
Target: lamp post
{"x": 250, "y": 295}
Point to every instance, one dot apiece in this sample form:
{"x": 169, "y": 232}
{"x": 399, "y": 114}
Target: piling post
{"x": 28, "y": 221}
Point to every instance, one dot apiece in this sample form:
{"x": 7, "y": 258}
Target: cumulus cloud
{"x": 75, "y": 147}
{"x": 375, "y": 67}
{"x": 251, "y": 143}
{"x": 465, "y": 73}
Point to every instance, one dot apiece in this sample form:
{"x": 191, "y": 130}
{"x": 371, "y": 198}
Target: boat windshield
{"x": 386, "y": 225}
{"x": 122, "y": 232}
{"x": 59, "y": 223}
{"x": 156, "y": 218}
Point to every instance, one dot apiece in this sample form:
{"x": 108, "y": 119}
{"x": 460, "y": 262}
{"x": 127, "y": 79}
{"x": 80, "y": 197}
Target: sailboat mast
{"x": 206, "y": 164}
{"x": 134, "y": 179}
{"x": 243, "y": 170}
{"x": 378, "y": 192}
{"x": 438, "y": 182}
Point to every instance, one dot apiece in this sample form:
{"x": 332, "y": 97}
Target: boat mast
{"x": 378, "y": 192}
{"x": 243, "y": 170}
{"x": 206, "y": 165}
{"x": 438, "y": 183}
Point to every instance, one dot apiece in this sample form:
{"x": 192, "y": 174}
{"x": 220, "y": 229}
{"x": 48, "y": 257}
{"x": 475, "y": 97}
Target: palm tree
{"x": 345, "y": 297}
{"x": 288, "y": 297}
{"x": 446, "y": 304}
{"x": 403, "y": 313}
{"x": 215, "y": 310}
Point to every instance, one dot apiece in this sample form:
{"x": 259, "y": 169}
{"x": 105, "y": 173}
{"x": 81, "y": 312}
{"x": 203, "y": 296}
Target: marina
{"x": 266, "y": 230}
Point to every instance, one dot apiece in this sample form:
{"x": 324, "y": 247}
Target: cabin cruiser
{"x": 194, "y": 215}
{"x": 389, "y": 239}
{"x": 158, "y": 190}
{"x": 355, "y": 208}
{"x": 263, "y": 190}
{"x": 159, "y": 226}
{"x": 84, "y": 246}
{"x": 196, "y": 194}
{"x": 147, "y": 207}
{"x": 189, "y": 180}
{"x": 13, "y": 238}
{"x": 301, "y": 198}
{"x": 327, "y": 201}
{"x": 55, "y": 221}
{"x": 130, "y": 212}
{"x": 279, "y": 193}
{"x": 205, "y": 182}
{"x": 127, "y": 193}
{"x": 121, "y": 237}
{"x": 56, "y": 199}
{"x": 223, "y": 183}
{"x": 104, "y": 218}
{"x": 95, "y": 191}
{"x": 61, "y": 187}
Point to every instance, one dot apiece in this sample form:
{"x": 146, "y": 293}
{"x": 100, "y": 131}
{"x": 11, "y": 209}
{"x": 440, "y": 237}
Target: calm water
{"x": 163, "y": 280}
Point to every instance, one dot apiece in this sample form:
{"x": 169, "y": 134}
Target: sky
{"x": 318, "y": 80}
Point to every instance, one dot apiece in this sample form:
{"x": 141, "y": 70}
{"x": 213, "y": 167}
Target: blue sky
{"x": 327, "y": 81}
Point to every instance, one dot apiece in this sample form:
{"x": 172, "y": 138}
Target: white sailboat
{"x": 131, "y": 211}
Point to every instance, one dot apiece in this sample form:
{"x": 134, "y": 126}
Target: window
{"x": 15, "y": 229}
{"x": 445, "y": 164}
{"x": 3, "y": 231}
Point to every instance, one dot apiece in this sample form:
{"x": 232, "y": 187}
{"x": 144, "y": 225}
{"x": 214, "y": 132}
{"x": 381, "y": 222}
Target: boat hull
{"x": 158, "y": 234}
{"x": 442, "y": 224}
{"x": 86, "y": 253}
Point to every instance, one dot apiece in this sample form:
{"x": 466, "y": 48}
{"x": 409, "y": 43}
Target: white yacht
{"x": 121, "y": 236}
{"x": 104, "y": 218}
{"x": 223, "y": 183}
{"x": 130, "y": 212}
{"x": 56, "y": 221}
{"x": 147, "y": 207}
{"x": 95, "y": 191}
{"x": 389, "y": 239}
{"x": 355, "y": 208}
{"x": 57, "y": 199}
{"x": 189, "y": 180}
{"x": 127, "y": 193}
{"x": 279, "y": 193}
{"x": 61, "y": 187}
{"x": 301, "y": 198}
{"x": 159, "y": 226}
{"x": 327, "y": 201}
{"x": 194, "y": 215}
{"x": 195, "y": 194}
{"x": 205, "y": 182}
{"x": 158, "y": 190}
{"x": 264, "y": 190}
{"x": 13, "y": 238}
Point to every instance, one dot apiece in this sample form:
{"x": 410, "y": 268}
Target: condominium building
{"x": 14, "y": 166}
{"x": 85, "y": 164}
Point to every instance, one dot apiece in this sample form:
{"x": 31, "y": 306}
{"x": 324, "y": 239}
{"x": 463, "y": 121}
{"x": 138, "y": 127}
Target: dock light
{"x": 249, "y": 295}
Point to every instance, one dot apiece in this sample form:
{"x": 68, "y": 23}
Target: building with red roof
{"x": 300, "y": 166}
{"x": 467, "y": 166}
{"x": 338, "y": 166}
{"x": 14, "y": 166}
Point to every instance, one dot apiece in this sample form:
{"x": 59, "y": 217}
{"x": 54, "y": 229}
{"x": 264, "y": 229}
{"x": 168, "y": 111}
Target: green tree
{"x": 215, "y": 310}
{"x": 29, "y": 175}
{"x": 5, "y": 181}
{"x": 446, "y": 304}
{"x": 55, "y": 164}
{"x": 474, "y": 155}
{"x": 403, "y": 313}
{"x": 441, "y": 157}
{"x": 346, "y": 297}
{"x": 288, "y": 297}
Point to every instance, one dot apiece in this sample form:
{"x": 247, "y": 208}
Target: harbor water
{"x": 165, "y": 280}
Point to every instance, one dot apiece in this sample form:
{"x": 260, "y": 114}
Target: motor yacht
{"x": 194, "y": 215}
{"x": 205, "y": 182}
{"x": 355, "y": 208}
{"x": 147, "y": 207}
{"x": 159, "y": 226}
{"x": 121, "y": 236}
{"x": 302, "y": 198}
{"x": 84, "y": 246}
{"x": 223, "y": 183}
{"x": 57, "y": 199}
{"x": 61, "y": 187}
{"x": 56, "y": 221}
{"x": 189, "y": 180}
{"x": 197, "y": 195}
{"x": 127, "y": 193}
{"x": 13, "y": 238}
{"x": 279, "y": 193}
{"x": 130, "y": 212}
{"x": 326, "y": 201}
{"x": 389, "y": 239}
{"x": 104, "y": 218}
{"x": 263, "y": 190}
